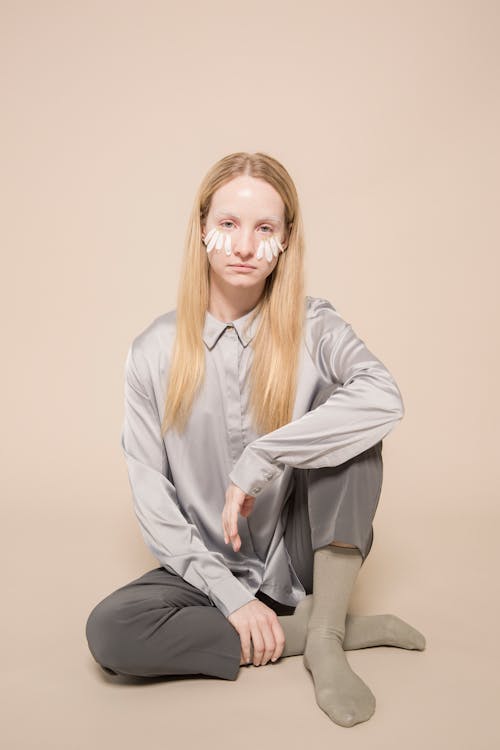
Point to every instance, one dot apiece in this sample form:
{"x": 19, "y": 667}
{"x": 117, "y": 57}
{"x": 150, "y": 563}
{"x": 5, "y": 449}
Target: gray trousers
{"x": 159, "y": 624}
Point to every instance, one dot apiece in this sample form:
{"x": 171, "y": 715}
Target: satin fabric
{"x": 179, "y": 481}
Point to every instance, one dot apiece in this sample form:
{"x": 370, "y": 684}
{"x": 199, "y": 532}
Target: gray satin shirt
{"x": 179, "y": 483}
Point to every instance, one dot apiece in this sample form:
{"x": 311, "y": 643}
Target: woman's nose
{"x": 244, "y": 242}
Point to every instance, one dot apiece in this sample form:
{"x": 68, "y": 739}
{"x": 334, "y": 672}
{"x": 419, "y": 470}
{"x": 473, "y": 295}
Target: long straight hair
{"x": 277, "y": 341}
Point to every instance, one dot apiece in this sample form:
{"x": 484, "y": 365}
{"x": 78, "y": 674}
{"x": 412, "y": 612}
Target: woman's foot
{"x": 340, "y": 692}
{"x": 361, "y": 631}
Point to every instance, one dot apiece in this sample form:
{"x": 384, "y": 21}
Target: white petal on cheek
{"x": 212, "y": 242}
{"x": 209, "y": 236}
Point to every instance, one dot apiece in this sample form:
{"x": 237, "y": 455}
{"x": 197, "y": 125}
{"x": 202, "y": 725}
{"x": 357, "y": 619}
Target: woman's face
{"x": 246, "y": 211}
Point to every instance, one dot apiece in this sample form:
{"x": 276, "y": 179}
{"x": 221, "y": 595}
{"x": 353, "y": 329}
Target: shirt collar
{"x": 214, "y": 328}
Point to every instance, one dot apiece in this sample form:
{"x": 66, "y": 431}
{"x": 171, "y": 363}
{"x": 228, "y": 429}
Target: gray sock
{"x": 340, "y": 692}
{"x": 361, "y": 631}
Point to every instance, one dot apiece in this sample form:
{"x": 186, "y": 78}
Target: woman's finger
{"x": 233, "y": 533}
{"x": 224, "y": 526}
{"x": 269, "y": 642}
{"x": 279, "y": 639}
{"x": 258, "y": 643}
{"x": 245, "y": 643}
{"x": 233, "y": 520}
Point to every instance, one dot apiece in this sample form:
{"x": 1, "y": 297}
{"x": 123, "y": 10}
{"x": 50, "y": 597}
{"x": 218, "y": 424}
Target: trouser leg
{"x": 159, "y": 624}
{"x": 335, "y": 503}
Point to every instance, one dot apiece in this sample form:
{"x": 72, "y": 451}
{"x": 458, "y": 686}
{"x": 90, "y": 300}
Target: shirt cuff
{"x": 229, "y": 594}
{"x": 252, "y": 472}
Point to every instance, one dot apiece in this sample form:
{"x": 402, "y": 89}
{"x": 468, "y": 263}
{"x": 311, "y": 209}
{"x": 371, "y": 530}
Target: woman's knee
{"x": 102, "y": 630}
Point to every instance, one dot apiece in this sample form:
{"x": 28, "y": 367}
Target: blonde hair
{"x": 277, "y": 341}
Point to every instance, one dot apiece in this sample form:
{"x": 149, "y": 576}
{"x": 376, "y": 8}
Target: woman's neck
{"x": 233, "y": 304}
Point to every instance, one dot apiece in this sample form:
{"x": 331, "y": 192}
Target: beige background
{"x": 387, "y": 116}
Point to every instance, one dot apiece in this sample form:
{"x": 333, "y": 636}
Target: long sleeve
{"x": 174, "y": 541}
{"x": 362, "y": 410}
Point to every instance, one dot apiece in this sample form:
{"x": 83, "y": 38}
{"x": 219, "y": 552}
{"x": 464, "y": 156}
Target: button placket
{"x": 230, "y": 347}
{"x": 230, "y": 353}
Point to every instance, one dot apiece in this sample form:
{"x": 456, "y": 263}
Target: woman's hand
{"x": 237, "y": 501}
{"x": 259, "y": 624}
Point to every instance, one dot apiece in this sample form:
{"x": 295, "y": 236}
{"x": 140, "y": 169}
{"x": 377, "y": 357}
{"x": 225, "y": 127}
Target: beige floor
{"x": 56, "y": 698}
{"x": 387, "y": 116}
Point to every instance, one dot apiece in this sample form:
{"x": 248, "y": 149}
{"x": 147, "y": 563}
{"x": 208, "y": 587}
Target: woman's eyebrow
{"x": 223, "y": 212}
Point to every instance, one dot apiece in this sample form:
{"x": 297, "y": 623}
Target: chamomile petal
{"x": 220, "y": 240}
{"x": 274, "y": 246}
{"x": 212, "y": 242}
{"x": 209, "y": 236}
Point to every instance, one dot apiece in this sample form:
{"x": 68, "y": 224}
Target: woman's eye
{"x": 227, "y": 221}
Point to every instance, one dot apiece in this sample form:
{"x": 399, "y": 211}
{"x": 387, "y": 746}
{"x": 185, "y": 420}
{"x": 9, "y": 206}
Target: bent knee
{"x": 104, "y": 634}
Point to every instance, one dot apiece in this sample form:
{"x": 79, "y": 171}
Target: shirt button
{"x": 255, "y": 490}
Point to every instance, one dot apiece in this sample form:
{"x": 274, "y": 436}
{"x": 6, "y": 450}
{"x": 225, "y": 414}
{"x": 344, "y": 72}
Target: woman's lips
{"x": 242, "y": 266}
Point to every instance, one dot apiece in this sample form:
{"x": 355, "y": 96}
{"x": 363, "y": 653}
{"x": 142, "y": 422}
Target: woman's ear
{"x": 287, "y": 236}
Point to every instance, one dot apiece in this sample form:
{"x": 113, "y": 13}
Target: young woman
{"x": 254, "y": 420}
